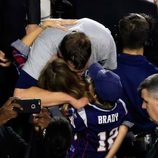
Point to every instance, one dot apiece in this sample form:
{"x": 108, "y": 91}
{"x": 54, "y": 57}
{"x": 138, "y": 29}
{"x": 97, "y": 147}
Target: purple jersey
{"x": 97, "y": 128}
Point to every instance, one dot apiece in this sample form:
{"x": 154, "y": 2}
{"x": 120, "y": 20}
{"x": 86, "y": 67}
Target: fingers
{"x": 8, "y": 111}
{"x": 59, "y": 26}
{"x": 40, "y": 122}
{"x": 3, "y": 59}
{"x": 63, "y": 22}
{"x": 17, "y": 106}
{"x": 9, "y": 102}
{"x": 68, "y": 22}
{"x": 42, "y": 119}
{"x": 2, "y": 54}
{"x": 11, "y": 105}
{"x": 4, "y": 62}
{"x": 59, "y": 23}
{"x": 42, "y": 115}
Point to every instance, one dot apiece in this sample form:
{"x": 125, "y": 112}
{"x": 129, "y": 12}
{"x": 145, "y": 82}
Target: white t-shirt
{"x": 46, "y": 45}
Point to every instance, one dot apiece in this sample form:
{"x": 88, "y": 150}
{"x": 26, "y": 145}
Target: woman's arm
{"x": 22, "y": 46}
{"x": 56, "y": 23}
{"x": 50, "y": 98}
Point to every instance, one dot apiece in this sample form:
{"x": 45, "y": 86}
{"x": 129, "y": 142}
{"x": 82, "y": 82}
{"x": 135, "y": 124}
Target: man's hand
{"x": 4, "y": 62}
{"x": 42, "y": 119}
{"x": 7, "y": 111}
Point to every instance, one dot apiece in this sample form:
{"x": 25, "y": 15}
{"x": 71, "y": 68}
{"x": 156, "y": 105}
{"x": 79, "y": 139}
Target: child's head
{"x": 58, "y": 138}
{"x": 107, "y": 84}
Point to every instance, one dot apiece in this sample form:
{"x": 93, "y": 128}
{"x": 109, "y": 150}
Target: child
{"x": 101, "y": 126}
{"x": 99, "y": 123}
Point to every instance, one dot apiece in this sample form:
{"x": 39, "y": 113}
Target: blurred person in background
{"x": 134, "y": 32}
{"x": 15, "y": 15}
{"x": 11, "y": 144}
{"x": 148, "y": 89}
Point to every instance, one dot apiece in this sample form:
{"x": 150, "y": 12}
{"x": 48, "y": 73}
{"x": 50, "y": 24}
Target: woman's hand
{"x": 58, "y": 23}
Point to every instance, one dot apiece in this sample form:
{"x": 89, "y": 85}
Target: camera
{"x": 28, "y": 105}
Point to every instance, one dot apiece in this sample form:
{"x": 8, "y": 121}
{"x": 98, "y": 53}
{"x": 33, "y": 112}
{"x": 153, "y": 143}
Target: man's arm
{"x": 29, "y": 38}
{"x": 50, "y": 98}
{"x": 56, "y": 23}
{"x": 4, "y": 62}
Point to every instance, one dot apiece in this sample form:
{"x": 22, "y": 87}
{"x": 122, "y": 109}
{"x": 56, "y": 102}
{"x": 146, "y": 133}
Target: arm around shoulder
{"x": 50, "y": 98}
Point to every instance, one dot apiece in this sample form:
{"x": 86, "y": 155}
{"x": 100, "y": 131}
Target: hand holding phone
{"x": 28, "y": 105}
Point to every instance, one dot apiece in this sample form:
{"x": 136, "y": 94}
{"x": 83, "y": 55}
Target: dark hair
{"x": 150, "y": 84}
{"x": 75, "y": 48}
{"x": 58, "y": 138}
{"x": 57, "y": 77}
{"x": 134, "y": 31}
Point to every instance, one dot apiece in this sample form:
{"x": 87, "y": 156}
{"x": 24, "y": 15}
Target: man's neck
{"x": 139, "y": 51}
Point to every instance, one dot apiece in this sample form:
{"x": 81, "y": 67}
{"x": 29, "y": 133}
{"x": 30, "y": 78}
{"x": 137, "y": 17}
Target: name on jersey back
{"x": 107, "y": 118}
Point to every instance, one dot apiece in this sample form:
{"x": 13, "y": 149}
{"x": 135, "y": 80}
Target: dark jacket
{"x": 13, "y": 20}
{"x": 109, "y": 12}
{"x": 33, "y": 11}
{"x": 132, "y": 70}
{"x": 12, "y": 26}
{"x": 11, "y": 144}
{"x": 153, "y": 152}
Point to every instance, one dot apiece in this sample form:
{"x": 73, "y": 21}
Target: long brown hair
{"x": 57, "y": 77}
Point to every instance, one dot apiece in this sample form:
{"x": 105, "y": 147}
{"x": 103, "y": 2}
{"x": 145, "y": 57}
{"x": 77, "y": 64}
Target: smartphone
{"x": 28, "y": 105}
